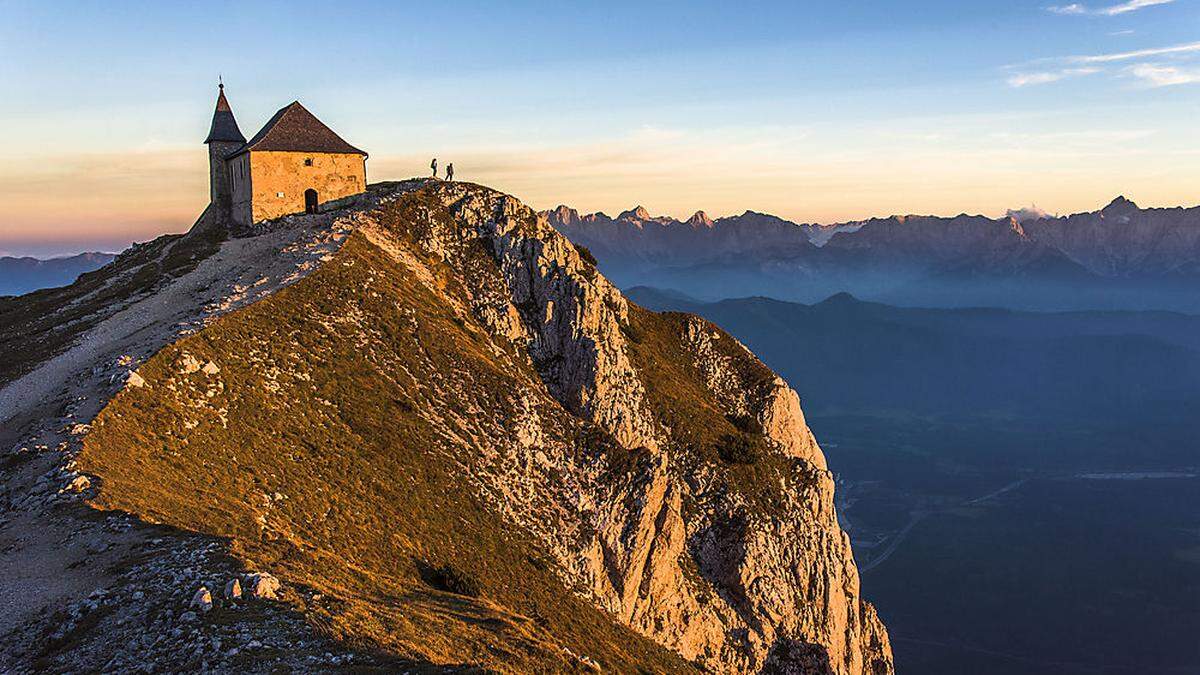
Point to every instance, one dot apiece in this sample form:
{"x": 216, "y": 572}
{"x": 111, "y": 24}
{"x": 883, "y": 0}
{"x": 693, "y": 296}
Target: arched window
{"x": 310, "y": 201}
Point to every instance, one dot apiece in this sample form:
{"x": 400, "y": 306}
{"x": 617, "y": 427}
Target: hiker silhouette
{"x": 433, "y": 165}
{"x": 450, "y": 171}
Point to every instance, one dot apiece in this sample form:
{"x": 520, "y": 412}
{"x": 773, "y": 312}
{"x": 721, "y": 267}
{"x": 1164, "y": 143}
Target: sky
{"x": 813, "y": 111}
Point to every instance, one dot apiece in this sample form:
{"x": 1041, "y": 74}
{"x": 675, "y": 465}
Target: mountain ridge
{"x": 22, "y": 274}
{"x": 1114, "y": 258}
{"x": 521, "y": 447}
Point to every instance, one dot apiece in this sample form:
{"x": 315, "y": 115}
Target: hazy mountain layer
{"x": 22, "y": 275}
{"x": 1106, "y": 372}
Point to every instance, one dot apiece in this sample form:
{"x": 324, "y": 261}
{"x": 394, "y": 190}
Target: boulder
{"x": 233, "y": 589}
{"x": 134, "y": 380}
{"x": 202, "y": 600}
{"x": 188, "y": 364}
{"x": 261, "y": 585}
{"x": 78, "y": 484}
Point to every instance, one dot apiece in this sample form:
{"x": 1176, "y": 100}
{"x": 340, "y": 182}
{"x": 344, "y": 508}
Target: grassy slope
{"x": 372, "y": 492}
{"x": 679, "y": 399}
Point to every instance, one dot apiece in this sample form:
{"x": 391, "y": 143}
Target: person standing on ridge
{"x": 433, "y": 165}
{"x": 450, "y": 172}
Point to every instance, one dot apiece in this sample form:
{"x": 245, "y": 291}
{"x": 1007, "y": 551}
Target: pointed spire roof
{"x": 295, "y": 129}
{"x": 224, "y": 127}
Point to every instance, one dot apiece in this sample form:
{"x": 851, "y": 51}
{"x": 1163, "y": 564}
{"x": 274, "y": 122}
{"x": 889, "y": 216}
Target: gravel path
{"x": 241, "y": 272}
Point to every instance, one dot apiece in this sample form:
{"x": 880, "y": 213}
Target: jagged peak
{"x": 564, "y": 214}
{"x": 700, "y": 219}
{"x": 636, "y": 213}
{"x": 1120, "y": 204}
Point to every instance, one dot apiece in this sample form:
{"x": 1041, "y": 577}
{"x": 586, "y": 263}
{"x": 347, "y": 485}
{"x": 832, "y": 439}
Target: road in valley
{"x": 919, "y": 515}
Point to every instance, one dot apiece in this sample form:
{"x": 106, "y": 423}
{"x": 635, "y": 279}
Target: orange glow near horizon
{"x": 77, "y": 202}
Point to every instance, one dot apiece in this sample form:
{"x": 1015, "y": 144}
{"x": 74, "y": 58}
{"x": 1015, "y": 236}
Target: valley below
{"x": 1004, "y": 569}
{"x": 1020, "y": 488}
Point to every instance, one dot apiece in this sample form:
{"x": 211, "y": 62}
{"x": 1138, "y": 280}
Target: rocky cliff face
{"x": 1122, "y": 240}
{"x": 458, "y": 443}
{"x": 769, "y": 580}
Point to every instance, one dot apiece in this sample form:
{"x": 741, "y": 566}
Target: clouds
{"x": 1047, "y": 76}
{"x": 1073, "y": 8}
{"x": 1146, "y": 71}
{"x": 1027, "y": 214}
{"x": 1132, "y": 6}
{"x": 1151, "y": 67}
{"x": 1076, "y": 8}
{"x": 1183, "y": 49}
{"x": 1152, "y": 75}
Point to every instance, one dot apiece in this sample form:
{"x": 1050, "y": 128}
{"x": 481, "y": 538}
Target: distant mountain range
{"x": 1121, "y": 256}
{"x": 25, "y": 274}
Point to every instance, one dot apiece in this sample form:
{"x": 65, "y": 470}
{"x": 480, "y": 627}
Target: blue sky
{"x": 815, "y": 111}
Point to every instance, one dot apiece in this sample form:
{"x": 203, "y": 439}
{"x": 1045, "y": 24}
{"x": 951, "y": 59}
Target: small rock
{"x": 78, "y": 484}
{"x": 202, "y": 599}
{"x": 97, "y": 545}
{"x": 186, "y": 617}
{"x": 261, "y": 585}
{"x": 188, "y": 364}
{"x": 233, "y": 589}
{"x": 134, "y": 380}
{"x": 210, "y": 368}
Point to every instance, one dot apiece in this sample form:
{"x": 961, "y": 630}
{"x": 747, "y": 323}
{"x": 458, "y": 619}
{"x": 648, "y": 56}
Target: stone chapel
{"x": 294, "y": 164}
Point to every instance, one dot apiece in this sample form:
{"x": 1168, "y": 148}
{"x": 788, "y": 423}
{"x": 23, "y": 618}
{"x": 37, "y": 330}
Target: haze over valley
{"x": 972, "y": 446}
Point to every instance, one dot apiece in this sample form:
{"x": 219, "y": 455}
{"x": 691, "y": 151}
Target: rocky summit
{"x": 420, "y": 432}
